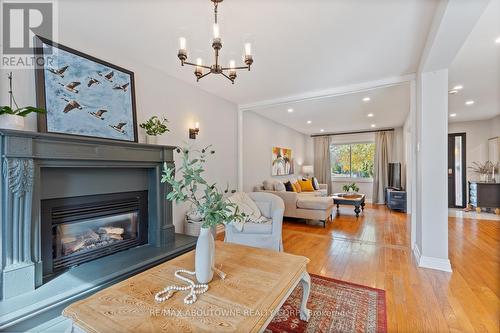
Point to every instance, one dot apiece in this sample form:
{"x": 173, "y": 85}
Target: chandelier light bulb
{"x": 199, "y": 62}
{"x": 216, "y": 30}
{"x": 248, "y": 49}
{"x": 232, "y": 64}
{"x": 182, "y": 43}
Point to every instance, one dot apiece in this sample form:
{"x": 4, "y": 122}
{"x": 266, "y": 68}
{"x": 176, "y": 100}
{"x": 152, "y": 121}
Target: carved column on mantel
{"x": 18, "y": 270}
{"x": 167, "y": 227}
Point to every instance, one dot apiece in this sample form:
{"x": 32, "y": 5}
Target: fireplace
{"x": 79, "y": 229}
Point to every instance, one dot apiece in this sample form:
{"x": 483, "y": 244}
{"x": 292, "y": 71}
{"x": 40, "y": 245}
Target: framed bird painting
{"x": 83, "y": 95}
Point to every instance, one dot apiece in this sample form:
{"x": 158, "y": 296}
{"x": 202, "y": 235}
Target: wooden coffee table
{"x": 257, "y": 284}
{"x": 358, "y": 201}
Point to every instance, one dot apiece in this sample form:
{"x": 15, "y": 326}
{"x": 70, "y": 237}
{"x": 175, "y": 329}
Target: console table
{"x": 257, "y": 284}
{"x": 484, "y": 195}
{"x": 395, "y": 199}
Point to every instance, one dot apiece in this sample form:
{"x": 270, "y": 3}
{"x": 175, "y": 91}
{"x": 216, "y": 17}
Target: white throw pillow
{"x": 246, "y": 205}
{"x": 279, "y": 187}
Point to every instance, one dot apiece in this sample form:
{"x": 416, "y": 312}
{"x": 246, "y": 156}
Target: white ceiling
{"x": 298, "y": 45}
{"x": 389, "y": 106}
{"x": 477, "y": 68}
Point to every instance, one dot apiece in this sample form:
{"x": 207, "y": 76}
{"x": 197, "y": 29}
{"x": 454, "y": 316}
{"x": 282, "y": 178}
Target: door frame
{"x": 464, "y": 168}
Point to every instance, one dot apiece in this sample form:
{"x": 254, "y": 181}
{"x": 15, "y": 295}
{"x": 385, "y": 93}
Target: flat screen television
{"x": 395, "y": 175}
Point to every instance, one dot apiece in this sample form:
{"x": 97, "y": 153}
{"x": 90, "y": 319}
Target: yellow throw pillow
{"x": 294, "y": 188}
{"x": 298, "y": 187}
{"x": 306, "y": 185}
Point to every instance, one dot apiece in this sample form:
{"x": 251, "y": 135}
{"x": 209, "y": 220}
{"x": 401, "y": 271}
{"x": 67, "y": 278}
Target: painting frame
{"x": 282, "y": 163}
{"x": 41, "y": 88}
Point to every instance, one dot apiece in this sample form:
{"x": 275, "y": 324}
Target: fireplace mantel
{"x": 28, "y": 159}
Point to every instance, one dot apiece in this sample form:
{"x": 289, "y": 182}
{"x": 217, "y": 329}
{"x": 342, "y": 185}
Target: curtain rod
{"x": 357, "y": 132}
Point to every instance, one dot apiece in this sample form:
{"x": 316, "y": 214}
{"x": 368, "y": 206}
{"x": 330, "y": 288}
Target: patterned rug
{"x": 336, "y": 306}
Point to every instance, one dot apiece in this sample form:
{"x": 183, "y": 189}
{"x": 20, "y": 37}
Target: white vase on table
{"x": 205, "y": 256}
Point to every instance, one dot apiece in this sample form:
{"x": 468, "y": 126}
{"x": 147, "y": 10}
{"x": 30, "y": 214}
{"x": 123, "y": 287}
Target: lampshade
{"x": 307, "y": 169}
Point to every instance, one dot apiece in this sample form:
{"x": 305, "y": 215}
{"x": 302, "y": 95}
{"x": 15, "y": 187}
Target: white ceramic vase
{"x": 205, "y": 256}
{"x": 151, "y": 139}
{"x": 9, "y": 121}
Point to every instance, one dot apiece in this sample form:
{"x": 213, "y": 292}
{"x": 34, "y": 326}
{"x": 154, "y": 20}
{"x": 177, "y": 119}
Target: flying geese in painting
{"x": 71, "y": 106}
{"x": 71, "y": 86}
{"x": 99, "y": 114}
{"x": 108, "y": 76}
{"x": 92, "y": 81}
{"x": 59, "y": 71}
{"x": 122, "y": 87}
{"x": 118, "y": 127}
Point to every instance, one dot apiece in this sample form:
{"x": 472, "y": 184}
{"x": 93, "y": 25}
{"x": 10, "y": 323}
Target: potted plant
{"x": 486, "y": 170}
{"x": 14, "y": 118}
{"x": 206, "y": 198}
{"x": 154, "y": 127}
{"x": 350, "y": 189}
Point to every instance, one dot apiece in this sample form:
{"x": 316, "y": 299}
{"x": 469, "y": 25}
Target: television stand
{"x": 395, "y": 199}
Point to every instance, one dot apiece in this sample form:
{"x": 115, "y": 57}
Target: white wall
{"x": 156, "y": 94}
{"x": 431, "y": 246}
{"x": 477, "y": 135}
{"x": 260, "y": 135}
{"x": 407, "y": 173}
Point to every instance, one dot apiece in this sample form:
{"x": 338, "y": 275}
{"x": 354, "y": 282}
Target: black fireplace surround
{"x": 80, "y": 229}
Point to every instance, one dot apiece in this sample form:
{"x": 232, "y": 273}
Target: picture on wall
{"x": 282, "y": 162}
{"x": 83, "y": 95}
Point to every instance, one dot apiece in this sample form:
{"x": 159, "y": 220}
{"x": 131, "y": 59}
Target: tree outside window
{"x": 352, "y": 160}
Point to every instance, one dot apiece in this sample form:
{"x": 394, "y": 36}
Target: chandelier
{"x": 216, "y": 45}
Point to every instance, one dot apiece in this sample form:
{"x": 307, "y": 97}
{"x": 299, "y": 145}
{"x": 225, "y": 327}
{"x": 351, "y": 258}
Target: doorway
{"x": 457, "y": 173}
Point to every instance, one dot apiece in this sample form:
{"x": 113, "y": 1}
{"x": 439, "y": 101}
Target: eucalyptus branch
{"x": 191, "y": 187}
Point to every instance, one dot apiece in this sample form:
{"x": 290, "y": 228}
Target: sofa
{"x": 314, "y": 205}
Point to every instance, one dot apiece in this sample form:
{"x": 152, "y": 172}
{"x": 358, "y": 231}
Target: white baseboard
{"x": 431, "y": 262}
{"x": 416, "y": 253}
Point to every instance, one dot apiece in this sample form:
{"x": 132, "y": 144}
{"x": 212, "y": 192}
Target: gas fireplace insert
{"x": 79, "y": 229}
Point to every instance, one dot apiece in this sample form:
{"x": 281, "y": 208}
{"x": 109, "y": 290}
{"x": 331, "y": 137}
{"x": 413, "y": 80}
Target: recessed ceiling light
{"x": 321, "y": 130}
{"x": 366, "y": 99}
{"x": 373, "y": 125}
{"x": 452, "y": 92}
{"x": 290, "y": 110}
{"x": 453, "y": 115}
{"x": 497, "y": 40}
{"x": 370, "y": 115}
{"x": 458, "y": 87}
{"x": 469, "y": 102}
{"x": 309, "y": 121}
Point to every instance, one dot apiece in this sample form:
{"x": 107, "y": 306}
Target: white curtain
{"x": 322, "y": 163}
{"x": 384, "y": 142}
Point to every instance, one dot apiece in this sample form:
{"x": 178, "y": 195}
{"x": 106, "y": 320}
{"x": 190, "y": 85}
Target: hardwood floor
{"x": 374, "y": 250}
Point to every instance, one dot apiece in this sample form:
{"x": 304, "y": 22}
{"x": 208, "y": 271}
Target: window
{"x": 354, "y": 160}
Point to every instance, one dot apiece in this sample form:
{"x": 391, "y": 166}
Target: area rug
{"x": 337, "y": 306}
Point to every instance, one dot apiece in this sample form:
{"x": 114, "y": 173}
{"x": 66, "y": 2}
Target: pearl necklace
{"x": 194, "y": 289}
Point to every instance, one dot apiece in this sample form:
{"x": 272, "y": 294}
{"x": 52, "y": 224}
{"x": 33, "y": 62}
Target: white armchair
{"x": 264, "y": 235}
